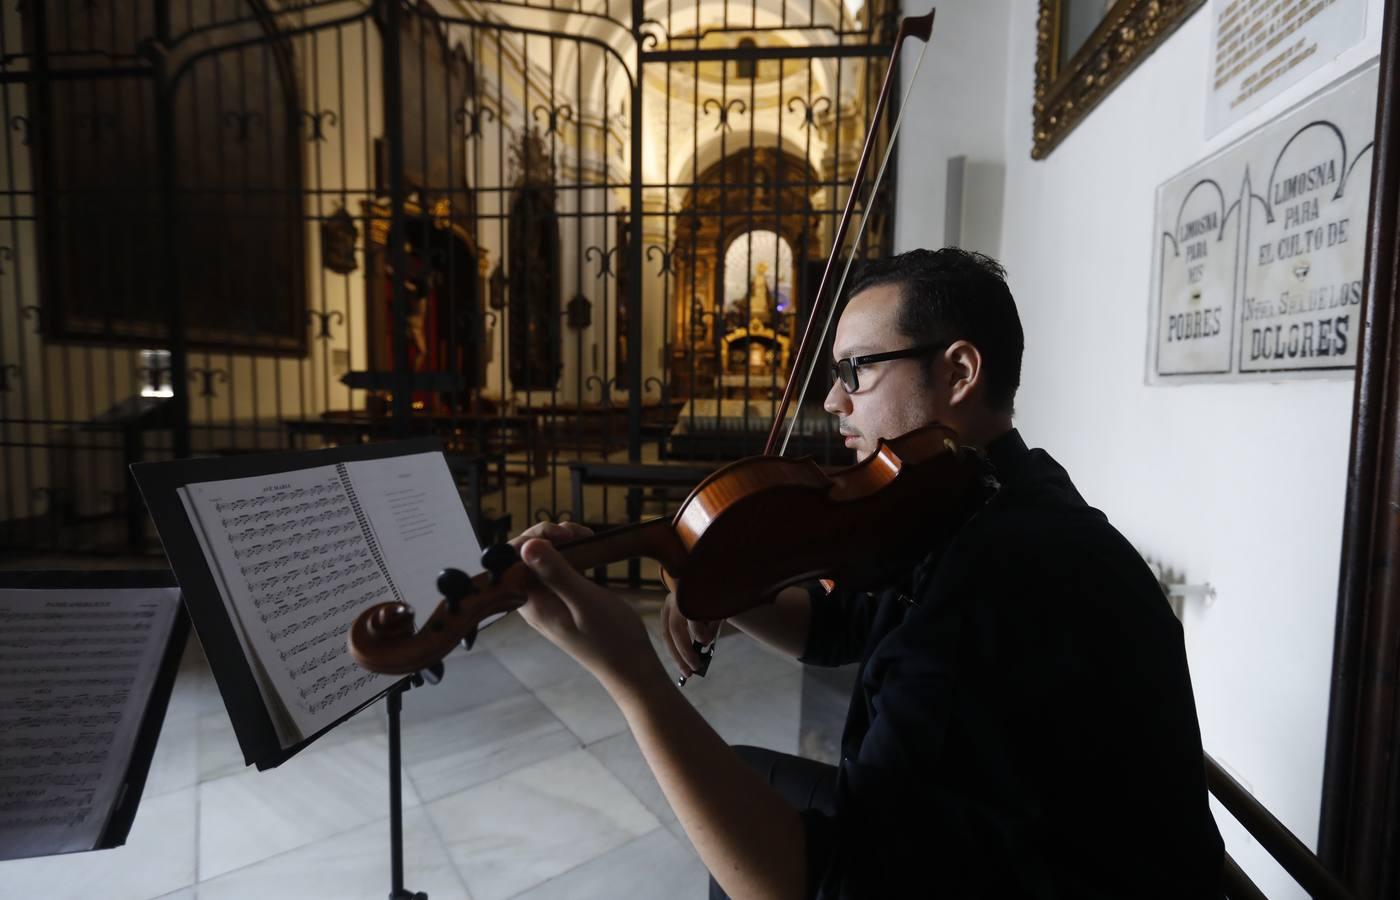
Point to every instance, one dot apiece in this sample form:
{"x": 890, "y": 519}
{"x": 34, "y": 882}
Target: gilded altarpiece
{"x": 765, "y": 190}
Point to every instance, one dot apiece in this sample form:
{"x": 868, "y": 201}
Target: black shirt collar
{"x": 1007, "y": 452}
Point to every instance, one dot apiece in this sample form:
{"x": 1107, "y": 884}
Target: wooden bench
{"x": 486, "y": 435}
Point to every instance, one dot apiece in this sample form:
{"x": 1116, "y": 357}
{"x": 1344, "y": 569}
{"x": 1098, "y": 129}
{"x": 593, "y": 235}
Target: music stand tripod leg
{"x": 394, "y": 702}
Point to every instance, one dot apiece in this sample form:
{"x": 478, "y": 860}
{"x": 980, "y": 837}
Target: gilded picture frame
{"x": 1071, "y": 80}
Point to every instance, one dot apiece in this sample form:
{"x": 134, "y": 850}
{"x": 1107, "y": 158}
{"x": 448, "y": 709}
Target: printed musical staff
{"x": 296, "y": 564}
{"x": 91, "y": 720}
{"x": 82, "y": 780}
{"x": 77, "y": 669}
{"x": 280, "y": 498}
{"x": 330, "y": 613}
{"x": 297, "y": 554}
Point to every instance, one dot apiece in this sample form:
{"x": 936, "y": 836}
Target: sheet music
{"x": 418, "y": 519}
{"x": 299, "y": 554}
{"x": 76, "y": 670}
{"x": 294, "y": 568}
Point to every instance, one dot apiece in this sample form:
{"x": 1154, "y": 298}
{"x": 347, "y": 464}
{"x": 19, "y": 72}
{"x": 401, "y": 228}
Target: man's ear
{"x": 964, "y": 371}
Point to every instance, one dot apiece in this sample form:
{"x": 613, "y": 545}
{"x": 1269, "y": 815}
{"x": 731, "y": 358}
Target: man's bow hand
{"x": 682, "y": 635}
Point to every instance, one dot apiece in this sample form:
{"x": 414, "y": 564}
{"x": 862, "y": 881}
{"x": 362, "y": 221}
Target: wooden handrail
{"x": 1237, "y": 884}
{"x": 1290, "y": 853}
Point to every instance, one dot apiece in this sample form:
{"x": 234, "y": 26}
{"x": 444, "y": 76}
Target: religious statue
{"x": 420, "y": 320}
{"x": 759, "y": 300}
{"x": 754, "y": 347}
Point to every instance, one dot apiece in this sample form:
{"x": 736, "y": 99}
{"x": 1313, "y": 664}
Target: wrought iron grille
{"x": 556, "y": 235}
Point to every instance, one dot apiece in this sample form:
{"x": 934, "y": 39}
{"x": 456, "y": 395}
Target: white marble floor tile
{"x": 621, "y": 756}
{"x": 739, "y": 663}
{"x": 182, "y": 894}
{"x": 372, "y": 721}
{"x": 678, "y": 832}
{"x": 767, "y": 715}
{"x": 582, "y": 704}
{"x": 653, "y": 866}
{"x": 194, "y": 693}
{"x": 349, "y": 866}
{"x": 518, "y": 804}
{"x": 469, "y": 680}
{"x": 158, "y": 857}
{"x": 321, "y": 792}
{"x": 507, "y": 629}
{"x": 189, "y": 696}
{"x": 453, "y": 753}
{"x": 520, "y": 830}
{"x": 175, "y": 764}
{"x": 219, "y": 753}
{"x": 536, "y": 663}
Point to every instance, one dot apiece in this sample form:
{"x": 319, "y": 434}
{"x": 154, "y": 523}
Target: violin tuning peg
{"x": 454, "y": 585}
{"x": 499, "y": 557}
{"x": 469, "y": 640}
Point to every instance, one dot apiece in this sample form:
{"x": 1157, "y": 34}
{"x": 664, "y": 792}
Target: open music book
{"x": 78, "y": 682}
{"x": 297, "y": 555}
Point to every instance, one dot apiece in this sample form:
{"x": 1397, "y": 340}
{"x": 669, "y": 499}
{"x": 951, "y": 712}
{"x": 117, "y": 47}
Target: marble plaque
{"x": 1261, "y": 246}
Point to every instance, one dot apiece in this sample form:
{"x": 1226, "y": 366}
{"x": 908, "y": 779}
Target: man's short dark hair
{"x": 952, "y": 295}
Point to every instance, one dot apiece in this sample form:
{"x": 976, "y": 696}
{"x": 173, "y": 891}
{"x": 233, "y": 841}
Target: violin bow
{"x": 920, "y": 27}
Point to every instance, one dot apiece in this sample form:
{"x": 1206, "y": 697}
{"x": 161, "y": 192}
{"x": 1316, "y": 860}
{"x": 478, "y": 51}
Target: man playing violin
{"x": 1023, "y": 724}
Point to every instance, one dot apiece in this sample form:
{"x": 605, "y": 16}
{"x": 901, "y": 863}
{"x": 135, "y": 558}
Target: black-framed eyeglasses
{"x": 847, "y": 370}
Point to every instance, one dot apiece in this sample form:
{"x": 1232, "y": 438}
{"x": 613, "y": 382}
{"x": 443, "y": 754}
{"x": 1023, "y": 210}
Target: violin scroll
{"x": 384, "y": 638}
{"x": 391, "y": 620}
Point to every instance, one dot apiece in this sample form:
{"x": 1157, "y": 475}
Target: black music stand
{"x": 128, "y": 796}
{"x": 252, "y": 723}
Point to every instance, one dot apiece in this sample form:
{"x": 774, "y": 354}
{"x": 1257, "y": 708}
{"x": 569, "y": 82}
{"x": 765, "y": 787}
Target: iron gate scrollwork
{"x": 551, "y": 233}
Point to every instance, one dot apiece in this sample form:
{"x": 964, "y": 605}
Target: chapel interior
{"x": 578, "y": 243}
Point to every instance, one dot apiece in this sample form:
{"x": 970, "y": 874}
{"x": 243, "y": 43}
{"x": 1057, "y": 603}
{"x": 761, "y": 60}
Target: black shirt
{"x": 1023, "y": 723}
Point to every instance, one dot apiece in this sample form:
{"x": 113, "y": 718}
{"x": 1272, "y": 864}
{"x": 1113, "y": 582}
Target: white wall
{"x": 956, "y": 109}
{"x": 1239, "y": 485}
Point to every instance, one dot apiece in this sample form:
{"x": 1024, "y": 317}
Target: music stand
{"x": 252, "y": 722}
{"x": 128, "y": 795}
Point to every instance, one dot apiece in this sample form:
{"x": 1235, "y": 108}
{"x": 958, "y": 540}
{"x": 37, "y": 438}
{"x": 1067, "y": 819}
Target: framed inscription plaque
{"x": 1260, "y": 247}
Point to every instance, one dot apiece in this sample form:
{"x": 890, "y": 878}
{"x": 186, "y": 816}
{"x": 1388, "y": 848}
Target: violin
{"x": 752, "y": 527}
